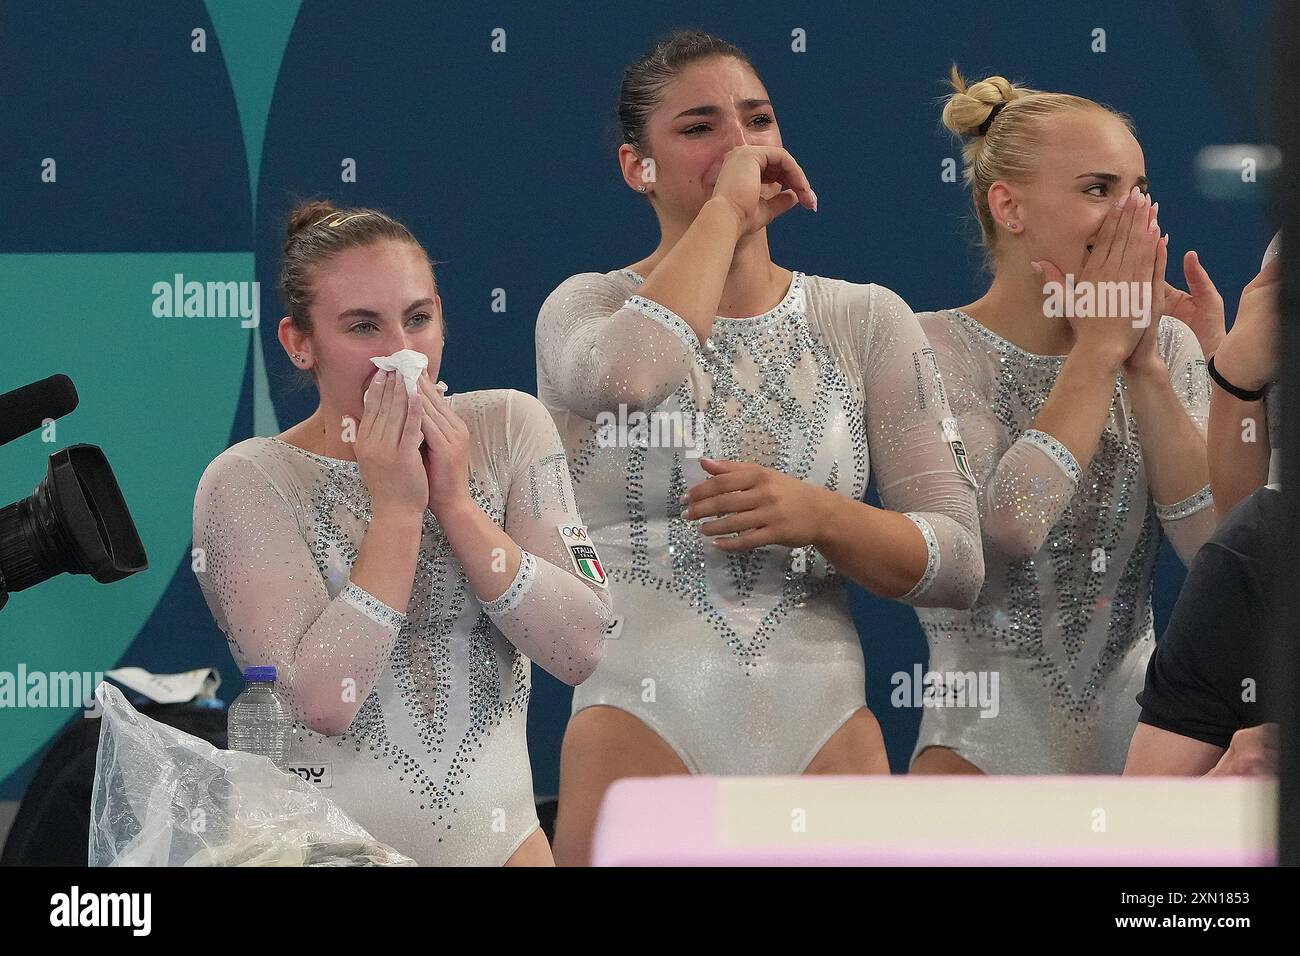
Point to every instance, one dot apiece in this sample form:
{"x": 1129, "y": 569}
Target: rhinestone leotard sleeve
{"x": 1188, "y": 523}
{"x": 267, "y": 595}
{"x": 1026, "y": 485}
{"x": 915, "y": 457}
{"x": 556, "y": 609}
{"x": 602, "y": 351}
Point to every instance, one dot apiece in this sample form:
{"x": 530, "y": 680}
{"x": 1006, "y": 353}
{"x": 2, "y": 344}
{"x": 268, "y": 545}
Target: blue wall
{"x": 503, "y": 164}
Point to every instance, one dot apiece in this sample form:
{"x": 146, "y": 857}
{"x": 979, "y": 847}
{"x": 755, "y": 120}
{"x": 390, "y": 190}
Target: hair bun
{"x": 307, "y": 214}
{"x": 971, "y": 104}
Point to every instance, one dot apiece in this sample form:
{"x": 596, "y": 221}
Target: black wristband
{"x": 1231, "y": 389}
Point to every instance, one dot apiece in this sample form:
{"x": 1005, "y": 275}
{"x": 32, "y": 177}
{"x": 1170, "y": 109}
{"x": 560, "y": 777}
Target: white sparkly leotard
{"x": 745, "y": 663}
{"x": 425, "y": 711}
{"x": 1064, "y": 620}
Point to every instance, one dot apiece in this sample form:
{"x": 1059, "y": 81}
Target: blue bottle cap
{"x": 257, "y": 674}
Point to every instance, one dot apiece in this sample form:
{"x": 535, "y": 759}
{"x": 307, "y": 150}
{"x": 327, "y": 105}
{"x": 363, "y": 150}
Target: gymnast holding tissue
{"x": 401, "y": 556}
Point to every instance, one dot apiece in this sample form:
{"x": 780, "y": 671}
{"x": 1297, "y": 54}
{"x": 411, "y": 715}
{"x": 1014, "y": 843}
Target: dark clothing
{"x": 1207, "y": 677}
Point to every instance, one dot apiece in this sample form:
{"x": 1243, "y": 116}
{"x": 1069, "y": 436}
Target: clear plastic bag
{"x": 166, "y": 798}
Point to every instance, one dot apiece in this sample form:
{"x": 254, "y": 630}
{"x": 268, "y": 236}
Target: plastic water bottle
{"x": 260, "y": 719}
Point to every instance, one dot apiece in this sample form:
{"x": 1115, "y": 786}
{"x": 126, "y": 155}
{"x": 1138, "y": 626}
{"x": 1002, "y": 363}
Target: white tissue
{"x": 408, "y": 362}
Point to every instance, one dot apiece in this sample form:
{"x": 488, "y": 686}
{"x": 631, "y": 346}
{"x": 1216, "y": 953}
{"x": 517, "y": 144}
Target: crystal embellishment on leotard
{"x": 436, "y": 761}
{"x": 1055, "y": 450}
{"x": 1067, "y": 623}
{"x": 666, "y": 317}
{"x": 372, "y": 607}
{"x": 746, "y": 413}
{"x": 932, "y": 556}
{"x": 521, "y": 585}
{"x": 1188, "y": 506}
{"x": 817, "y": 388}
{"x": 422, "y": 715}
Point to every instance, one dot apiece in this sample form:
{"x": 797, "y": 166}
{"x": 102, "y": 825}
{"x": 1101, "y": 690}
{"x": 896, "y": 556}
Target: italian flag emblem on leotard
{"x": 588, "y": 564}
{"x": 582, "y": 552}
{"x": 953, "y": 436}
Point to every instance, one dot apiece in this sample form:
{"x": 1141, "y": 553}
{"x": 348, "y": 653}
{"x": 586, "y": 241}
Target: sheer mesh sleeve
{"x": 917, "y": 455}
{"x": 263, "y": 587}
{"x": 598, "y": 349}
{"x": 556, "y": 609}
{"x": 1025, "y": 484}
{"x": 1188, "y": 523}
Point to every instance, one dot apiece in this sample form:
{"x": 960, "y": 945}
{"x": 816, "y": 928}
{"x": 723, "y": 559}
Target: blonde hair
{"x": 1007, "y": 149}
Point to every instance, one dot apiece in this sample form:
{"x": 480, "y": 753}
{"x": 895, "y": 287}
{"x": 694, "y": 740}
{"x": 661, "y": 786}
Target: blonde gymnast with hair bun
{"x": 1086, "y": 434}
